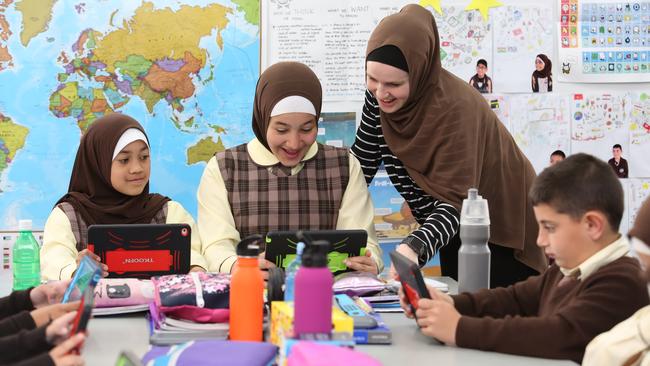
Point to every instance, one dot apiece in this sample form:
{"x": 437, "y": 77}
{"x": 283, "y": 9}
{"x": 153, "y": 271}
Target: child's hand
{"x": 59, "y": 329}
{"x": 438, "y": 319}
{"x": 406, "y": 251}
{"x": 405, "y": 304}
{"x": 48, "y": 293}
{"x": 362, "y": 263}
{"x": 439, "y": 295}
{"x": 61, "y": 354}
{"x": 94, "y": 257}
{"x": 48, "y": 313}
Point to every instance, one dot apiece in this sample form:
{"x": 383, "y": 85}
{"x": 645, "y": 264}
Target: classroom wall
{"x": 576, "y": 117}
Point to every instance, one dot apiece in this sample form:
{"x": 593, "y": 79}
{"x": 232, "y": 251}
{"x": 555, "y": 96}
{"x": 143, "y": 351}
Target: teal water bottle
{"x": 292, "y": 269}
{"x": 26, "y": 258}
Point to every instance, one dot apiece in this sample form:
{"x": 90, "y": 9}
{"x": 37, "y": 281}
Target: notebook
{"x": 142, "y": 250}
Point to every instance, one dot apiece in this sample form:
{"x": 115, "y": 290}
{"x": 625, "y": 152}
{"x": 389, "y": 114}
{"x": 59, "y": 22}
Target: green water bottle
{"x": 26, "y": 258}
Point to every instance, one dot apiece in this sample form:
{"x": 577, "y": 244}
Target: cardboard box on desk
{"x": 282, "y": 329}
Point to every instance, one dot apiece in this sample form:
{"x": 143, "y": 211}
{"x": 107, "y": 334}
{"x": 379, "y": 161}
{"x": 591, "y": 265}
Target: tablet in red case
{"x": 411, "y": 279}
{"x": 142, "y": 250}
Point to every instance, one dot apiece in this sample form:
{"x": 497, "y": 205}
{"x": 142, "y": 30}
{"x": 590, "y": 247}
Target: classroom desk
{"x": 109, "y": 335}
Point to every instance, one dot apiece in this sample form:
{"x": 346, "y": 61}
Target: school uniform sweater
{"x": 14, "y": 313}
{"x": 19, "y": 337}
{"x": 64, "y": 238}
{"x": 553, "y": 315}
{"x": 439, "y": 221}
{"x": 218, "y": 224}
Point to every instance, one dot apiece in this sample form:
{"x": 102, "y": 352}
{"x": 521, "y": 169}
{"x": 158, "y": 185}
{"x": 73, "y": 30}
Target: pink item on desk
{"x": 114, "y": 292}
{"x": 314, "y": 354}
{"x": 197, "y": 296}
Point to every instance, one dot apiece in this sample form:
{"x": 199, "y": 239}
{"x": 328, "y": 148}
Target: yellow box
{"x": 282, "y": 323}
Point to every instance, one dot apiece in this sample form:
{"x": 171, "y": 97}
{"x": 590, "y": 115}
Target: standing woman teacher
{"x": 437, "y": 137}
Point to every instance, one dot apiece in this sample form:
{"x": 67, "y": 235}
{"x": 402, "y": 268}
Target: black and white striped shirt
{"x": 439, "y": 221}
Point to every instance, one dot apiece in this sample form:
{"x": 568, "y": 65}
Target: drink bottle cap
{"x": 250, "y": 246}
{"x": 315, "y": 254}
{"x": 24, "y": 225}
{"x": 300, "y": 247}
{"x": 475, "y": 209}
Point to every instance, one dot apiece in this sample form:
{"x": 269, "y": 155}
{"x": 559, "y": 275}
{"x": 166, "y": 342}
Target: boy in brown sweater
{"x": 591, "y": 286}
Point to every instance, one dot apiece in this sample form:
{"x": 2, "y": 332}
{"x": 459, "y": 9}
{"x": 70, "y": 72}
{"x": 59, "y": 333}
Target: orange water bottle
{"x": 247, "y": 293}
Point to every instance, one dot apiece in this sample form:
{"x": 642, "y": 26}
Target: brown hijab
{"x": 449, "y": 140}
{"x": 279, "y": 81}
{"x": 91, "y": 192}
{"x": 546, "y": 72}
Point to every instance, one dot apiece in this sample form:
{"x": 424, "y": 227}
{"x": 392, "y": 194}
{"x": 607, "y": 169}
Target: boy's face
{"x": 616, "y": 152}
{"x": 556, "y": 159}
{"x": 562, "y": 237}
{"x": 481, "y": 70}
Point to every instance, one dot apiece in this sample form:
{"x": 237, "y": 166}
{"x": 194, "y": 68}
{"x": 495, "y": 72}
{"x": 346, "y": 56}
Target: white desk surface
{"x": 109, "y": 335}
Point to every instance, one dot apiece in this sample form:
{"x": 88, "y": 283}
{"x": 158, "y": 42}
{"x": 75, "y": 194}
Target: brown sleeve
{"x": 522, "y": 298}
{"x": 42, "y": 359}
{"x": 15, "y": 302}
{"x": 605, "y": 299}
{"x": 23, "y": 344}
{"x": 16, "y": 322}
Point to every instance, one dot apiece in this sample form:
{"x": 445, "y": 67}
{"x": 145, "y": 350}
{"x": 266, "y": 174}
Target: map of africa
{"x": 186, "y": 69}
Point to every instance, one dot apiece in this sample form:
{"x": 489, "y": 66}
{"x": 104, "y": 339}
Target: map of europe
{"x": 186, "y": 69}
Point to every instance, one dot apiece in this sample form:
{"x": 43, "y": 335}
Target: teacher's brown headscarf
{"x": 281, "y": 80}
{"x": 91, "y": 192}
{"x": 449, "y": 140}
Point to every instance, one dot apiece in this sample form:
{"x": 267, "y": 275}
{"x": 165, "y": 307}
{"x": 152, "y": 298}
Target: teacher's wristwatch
{"x": 416, "y": 245}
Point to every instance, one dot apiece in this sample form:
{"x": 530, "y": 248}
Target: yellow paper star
{"x": 483, "y": 6}
{"x": 434, "y": 4}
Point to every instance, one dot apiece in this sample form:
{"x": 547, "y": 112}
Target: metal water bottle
{"x": 474, "y": 253}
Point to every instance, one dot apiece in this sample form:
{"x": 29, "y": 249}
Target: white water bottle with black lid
{"x": 474, "y": 253}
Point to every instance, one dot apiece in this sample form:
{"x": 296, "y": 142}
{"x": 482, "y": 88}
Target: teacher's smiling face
{"x": 389, "y": 85}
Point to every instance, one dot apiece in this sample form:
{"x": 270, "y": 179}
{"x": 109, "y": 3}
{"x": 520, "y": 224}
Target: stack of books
{"x": 380, "y": 334}
{"x": 387, "y": 301}
{"x": 164, "y": 330}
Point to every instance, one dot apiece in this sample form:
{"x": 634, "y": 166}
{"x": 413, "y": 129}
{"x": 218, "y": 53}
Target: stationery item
{"x": 212, "y": 353}
{"x": 197, "y": 296}
{"x": 120, "y": 292}
{"x": 314, "y": 354}
{"x": 282, "y": 324}
{"x": 350, "y": 307}
{"x": 380, "y": 334}
{"x": 142, "y": 250}
{"x": 247, "y": 293}
{"x": 87, "y": 275}
{"x": 358, "y": 284}
{"x": 165, "y": 330}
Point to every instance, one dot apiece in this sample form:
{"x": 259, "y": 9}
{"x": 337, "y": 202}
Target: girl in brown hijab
{"x": 437, "y": 138}
{"x": 542, "y": 79}
{"x": 283, "y": 179}
{"x": 109, "y": 185}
